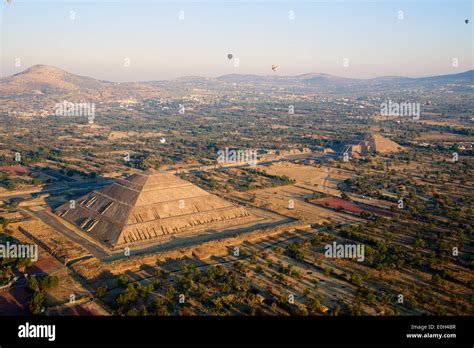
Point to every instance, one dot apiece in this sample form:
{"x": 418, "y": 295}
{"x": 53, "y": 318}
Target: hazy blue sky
{"x": 161, "y": 46}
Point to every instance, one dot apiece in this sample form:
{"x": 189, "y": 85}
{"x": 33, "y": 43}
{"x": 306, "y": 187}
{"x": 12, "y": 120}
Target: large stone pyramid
{"x": 146, "y": 207}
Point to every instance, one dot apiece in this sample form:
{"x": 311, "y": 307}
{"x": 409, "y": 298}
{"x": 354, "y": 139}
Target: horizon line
{"x": 236, "y": 74}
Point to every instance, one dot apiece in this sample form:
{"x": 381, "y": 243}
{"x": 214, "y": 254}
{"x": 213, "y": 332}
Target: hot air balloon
{"x": 230, "y": 56}
{"x": 467, "y": 21}
{"x": 274, "y": 67}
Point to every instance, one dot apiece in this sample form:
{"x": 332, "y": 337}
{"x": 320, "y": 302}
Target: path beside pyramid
{"x": 147, "y": 207}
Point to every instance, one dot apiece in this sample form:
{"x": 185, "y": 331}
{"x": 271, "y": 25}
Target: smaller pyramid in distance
{"x": 372, "y": 143}
{"x": 148, "y": 206}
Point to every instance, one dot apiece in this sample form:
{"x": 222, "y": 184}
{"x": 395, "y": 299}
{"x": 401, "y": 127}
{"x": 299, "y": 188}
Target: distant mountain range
{"x": 50, "y": 81}
{"x": 321, "y": 79}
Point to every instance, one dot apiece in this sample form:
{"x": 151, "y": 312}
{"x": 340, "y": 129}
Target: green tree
{"x": 36, "y": 302}
{"x": 33, "y": 284}
{"x": 49, "y": 282}
{"x": 123, "y": 280}
{"x": 4, "y": 221}
{"x": 128, "y": 295}
{"x": 101, "y": 291}
{"x": 170, "y": 292}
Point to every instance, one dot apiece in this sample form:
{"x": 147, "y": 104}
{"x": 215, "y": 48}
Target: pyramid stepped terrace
{"x": 148, "y": 207}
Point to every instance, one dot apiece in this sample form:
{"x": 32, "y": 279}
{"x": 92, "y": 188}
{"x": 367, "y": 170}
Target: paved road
{"x": 56, "y": 225}
{"x": 62, "y": 189}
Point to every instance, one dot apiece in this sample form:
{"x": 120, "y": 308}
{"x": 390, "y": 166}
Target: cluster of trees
{"x": 29, "y": 157}
{"x": 295, "y": 250}
{"x": 9, "y": 267}
{"x": 4, "y": 222}
{"x": 248, "y": 179}
{"x": 216, "y": 290}
{"x": 38, "y": 287}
